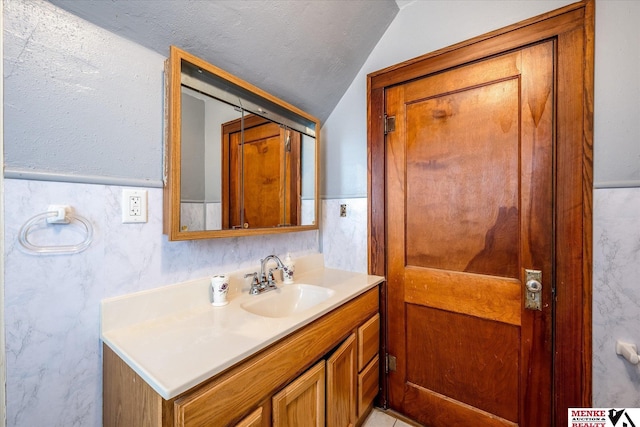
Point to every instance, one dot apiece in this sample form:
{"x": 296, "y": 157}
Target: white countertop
{"x": 174, "y": 339}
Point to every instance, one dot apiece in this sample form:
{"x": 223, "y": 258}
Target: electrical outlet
{"x": 134, "y": 206}
{"x": 343, "y": 210}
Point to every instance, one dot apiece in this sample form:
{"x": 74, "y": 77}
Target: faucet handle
{"x": 255, "y": 283}
{"x": 271, "y": 281}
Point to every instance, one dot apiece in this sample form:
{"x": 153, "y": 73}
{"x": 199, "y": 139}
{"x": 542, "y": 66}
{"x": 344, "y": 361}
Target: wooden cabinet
{"x": 368, "y": 341}
{"x": 368, "y": 385}
{"x": 368, "y": 364}
{"x": 243, "y": 394}
{"x": 341, "y": 385}
{"x": 353, "y": 376}
{"x": 254, "y": 419}
{"x": 302, "y": 403}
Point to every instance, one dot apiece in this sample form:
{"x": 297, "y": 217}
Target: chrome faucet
{"x": 266, "y": 282}
{"x": 267, "y": 277}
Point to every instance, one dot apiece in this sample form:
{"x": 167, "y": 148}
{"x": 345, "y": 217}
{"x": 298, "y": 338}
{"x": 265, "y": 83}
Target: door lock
{"x": 533, "y": 291}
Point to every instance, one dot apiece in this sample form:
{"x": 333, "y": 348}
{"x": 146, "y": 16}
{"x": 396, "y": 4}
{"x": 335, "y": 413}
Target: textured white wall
{"x": 268, "y": 43}
{"x": 617, "y": 94}
{"x": 3, "y": 368}
{"x": 59, "y": 72}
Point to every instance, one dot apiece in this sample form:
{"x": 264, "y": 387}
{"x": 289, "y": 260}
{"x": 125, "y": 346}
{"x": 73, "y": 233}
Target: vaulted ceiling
{"x": 306, "y": 52}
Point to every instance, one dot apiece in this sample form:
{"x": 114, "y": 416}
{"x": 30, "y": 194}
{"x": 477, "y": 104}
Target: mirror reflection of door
{"x": 262, "y": 180}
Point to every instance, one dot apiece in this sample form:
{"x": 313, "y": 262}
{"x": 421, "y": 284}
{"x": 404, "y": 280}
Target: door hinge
{"x": 389, "y": 124}
{"x": 389, "y": 363}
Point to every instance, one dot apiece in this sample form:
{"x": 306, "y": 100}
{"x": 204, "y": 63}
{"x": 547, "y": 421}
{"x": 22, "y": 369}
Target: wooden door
{"x": 469, "y": 199}
{"x": 301, "y": 403}
{"x": 262, "y": 185}
{"x": 341, "y": 385}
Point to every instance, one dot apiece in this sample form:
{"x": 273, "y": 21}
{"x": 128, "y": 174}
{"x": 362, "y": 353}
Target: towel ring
{"x": 56, "y": 215}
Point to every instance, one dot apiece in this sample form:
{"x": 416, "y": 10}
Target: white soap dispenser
{"x": 289, "y": 269}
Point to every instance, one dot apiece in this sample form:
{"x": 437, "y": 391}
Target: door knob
{"x": 533, "y": 285}
{"x": 533, "y": 290}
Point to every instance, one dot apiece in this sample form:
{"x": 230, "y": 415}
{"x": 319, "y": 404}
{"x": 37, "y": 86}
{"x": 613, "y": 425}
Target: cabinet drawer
{"x": 368, "y": 385}
{"x": 368, "y": 341}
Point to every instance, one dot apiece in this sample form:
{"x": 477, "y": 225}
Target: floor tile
{"x": 379, "y": 419}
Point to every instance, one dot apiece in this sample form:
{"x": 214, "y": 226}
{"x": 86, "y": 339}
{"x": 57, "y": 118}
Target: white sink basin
{"x": 287, "y": 300}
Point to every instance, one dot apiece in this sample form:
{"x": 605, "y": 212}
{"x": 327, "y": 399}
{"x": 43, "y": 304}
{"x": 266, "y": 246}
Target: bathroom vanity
{"x": 241, "y": 162}
{"x": 171, "y": 359}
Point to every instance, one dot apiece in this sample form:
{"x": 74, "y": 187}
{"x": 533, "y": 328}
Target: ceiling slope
{"x": 306, "y": 52}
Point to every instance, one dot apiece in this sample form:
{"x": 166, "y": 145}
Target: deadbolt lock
{"x": 533, "y": 289}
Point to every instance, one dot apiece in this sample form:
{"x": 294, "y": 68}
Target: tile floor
{"x": 377, "y": 418}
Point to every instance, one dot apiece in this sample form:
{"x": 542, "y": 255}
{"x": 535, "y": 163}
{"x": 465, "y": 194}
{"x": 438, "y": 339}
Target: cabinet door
{"x": 254, "y": 419}
{"x": 301, "y": 403}
{"x": 341, "y": 385}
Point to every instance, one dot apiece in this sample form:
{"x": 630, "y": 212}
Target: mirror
{"x": 239, "y": 161}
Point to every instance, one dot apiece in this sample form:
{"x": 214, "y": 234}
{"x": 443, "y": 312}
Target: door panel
{"x": 264, "y": 175}
{"x": 469, "y": 190}
{"x": 477, "y": 233}
{"x": 456, "y": 358}
{"x": 474, "y": 295}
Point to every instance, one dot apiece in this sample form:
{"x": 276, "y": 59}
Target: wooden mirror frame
{"x": 172, "y": 161}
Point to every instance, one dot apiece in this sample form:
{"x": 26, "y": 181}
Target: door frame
{"x": 572, "y": 29}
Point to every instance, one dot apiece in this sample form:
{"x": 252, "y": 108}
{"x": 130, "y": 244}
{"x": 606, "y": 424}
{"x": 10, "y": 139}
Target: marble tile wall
{"x": 53, "y": 350}
{"x": 616, "y": 295}
{"x": 213, "y": 220}
{"x": 193, "y": 217}
{"x": 201, "y": 215}
{"x": 52, "y": 321}
{"x": 308, "y": 212}
{"x": 344, "y": 240}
